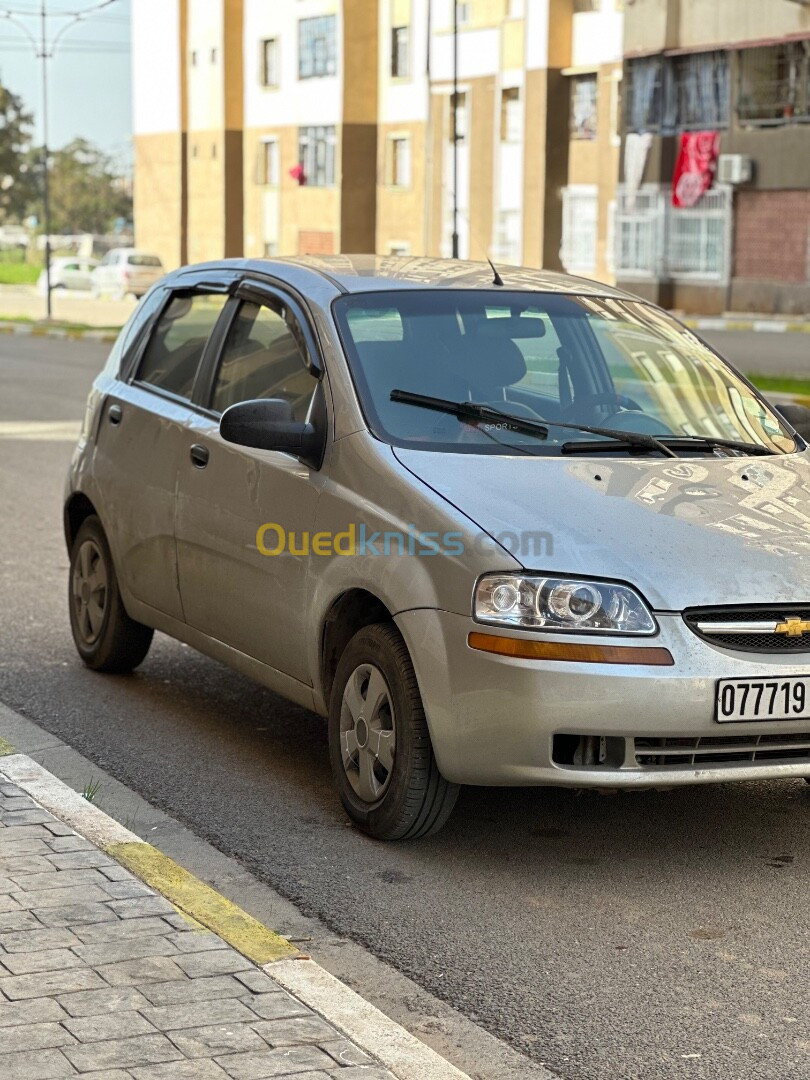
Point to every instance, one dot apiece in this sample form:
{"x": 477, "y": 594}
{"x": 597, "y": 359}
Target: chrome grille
{"x": 750, "y": 629}
{"x": 652, "y": 753}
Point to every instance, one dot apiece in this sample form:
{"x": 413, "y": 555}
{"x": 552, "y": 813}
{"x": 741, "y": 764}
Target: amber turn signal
{"x": 525, "y": 649}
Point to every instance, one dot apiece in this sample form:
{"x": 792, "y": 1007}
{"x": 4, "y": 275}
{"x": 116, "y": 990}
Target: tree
{"x": 18, "y": 179}
{"x": 86, "y": 193}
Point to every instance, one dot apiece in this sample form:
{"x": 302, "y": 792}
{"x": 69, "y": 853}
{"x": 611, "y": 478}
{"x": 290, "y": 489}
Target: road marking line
{"x": 246, "y": 934}
{"x": 41, "y": 430}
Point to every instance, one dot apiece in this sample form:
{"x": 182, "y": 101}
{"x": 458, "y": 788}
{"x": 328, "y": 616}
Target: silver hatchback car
{"x": 518, "y": 529}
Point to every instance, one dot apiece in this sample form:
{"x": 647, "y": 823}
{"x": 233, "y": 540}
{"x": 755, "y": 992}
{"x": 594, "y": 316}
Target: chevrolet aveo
{"x": 517, "y": 529}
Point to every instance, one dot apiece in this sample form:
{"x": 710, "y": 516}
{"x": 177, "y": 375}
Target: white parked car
{"x": 126, "y": 271}
{"x": 69, "y": 272}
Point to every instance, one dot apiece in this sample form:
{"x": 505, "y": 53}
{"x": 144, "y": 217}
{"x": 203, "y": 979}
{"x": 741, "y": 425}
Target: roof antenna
{"x": 496, "y": 280}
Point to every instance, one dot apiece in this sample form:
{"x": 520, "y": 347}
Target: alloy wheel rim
{"x": 90, "y": 591}
{"x": 367, "y": 733}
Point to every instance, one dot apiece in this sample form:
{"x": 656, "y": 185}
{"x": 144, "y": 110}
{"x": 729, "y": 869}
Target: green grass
{"x": 18, "y": 273}
{"x": 781, "y": 384}
{"x": 91, "y": 790}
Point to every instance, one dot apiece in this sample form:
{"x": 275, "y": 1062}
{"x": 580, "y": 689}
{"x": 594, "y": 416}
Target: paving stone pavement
{"x": 101, "y": 977}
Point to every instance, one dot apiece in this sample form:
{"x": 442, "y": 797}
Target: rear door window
{"x": 172, "y": 356}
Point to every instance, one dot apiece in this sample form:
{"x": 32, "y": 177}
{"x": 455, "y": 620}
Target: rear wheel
{"x": 105, "y": 636}
{"x": 379, "y": 744}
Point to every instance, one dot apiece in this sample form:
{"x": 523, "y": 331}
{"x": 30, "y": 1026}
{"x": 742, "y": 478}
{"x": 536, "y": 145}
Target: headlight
{"x": 551, "y": 603}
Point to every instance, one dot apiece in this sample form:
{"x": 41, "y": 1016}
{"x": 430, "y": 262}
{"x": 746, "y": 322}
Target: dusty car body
{"x": 470, "y": 600}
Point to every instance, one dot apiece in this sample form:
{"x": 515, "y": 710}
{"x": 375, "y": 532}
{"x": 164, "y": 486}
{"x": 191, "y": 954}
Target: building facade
{"x": 321, "y": 126}
{"x": 741, "y": 69}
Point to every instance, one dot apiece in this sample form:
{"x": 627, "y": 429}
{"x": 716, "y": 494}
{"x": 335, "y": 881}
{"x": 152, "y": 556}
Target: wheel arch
{"x": 348, "y": 613}
{"x": 77, "y": 509}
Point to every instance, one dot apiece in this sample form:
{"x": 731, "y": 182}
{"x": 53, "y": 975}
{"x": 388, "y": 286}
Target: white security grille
{"x": 698, "y": 238}
{"x": 580, "y": 228}
{"x": 639, "y": 232}
{"x": 655, "y": 239}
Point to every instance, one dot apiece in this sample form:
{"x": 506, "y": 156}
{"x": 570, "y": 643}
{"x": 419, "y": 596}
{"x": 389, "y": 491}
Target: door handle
{"x": 114, "y": 414}
{"x": 199, "y": 456}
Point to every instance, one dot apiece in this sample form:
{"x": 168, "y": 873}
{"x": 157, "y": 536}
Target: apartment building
{"x": 740, "y": 69}
{"x": 320, "y": 126}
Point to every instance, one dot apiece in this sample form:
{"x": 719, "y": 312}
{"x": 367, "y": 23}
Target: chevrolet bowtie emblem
{"x": 793, "y": 627}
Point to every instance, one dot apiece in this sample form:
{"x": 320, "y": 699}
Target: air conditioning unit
{"x": 734, "y": 169}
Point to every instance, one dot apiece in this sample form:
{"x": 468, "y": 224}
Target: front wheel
{"x": 379, "y": 744}
{"x": 105, "y": 636}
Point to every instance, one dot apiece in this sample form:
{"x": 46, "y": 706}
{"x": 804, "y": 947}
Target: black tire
{"x": 416, "y": 799}
{"x": 112, "y": 641}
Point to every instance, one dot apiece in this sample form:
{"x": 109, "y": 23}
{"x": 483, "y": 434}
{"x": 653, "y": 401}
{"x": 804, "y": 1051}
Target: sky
{"x": 88, "y": 78}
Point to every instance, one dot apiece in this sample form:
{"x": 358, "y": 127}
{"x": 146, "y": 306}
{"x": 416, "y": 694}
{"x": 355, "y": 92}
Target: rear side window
{"x": 175, "y": 348}
{"x": 144, "y": 260}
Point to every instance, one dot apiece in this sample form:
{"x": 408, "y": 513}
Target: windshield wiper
{"x": 476, "y": 413}
{"x": 686, "y": 442}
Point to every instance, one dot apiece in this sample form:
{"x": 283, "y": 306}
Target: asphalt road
{"x": 764, "y": 353}
{"x": 649, "y": 935}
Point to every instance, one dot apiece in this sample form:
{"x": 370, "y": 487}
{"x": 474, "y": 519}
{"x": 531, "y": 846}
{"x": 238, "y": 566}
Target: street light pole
{"x": 44, "y": 50}
{"x": 46, "y": 179}
{"x": 455, "y": 129}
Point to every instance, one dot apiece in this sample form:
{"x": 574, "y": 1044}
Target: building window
{"x": 194, "y": 57}
{"x": 697, "y": 238}
{"x": 316, "y": 153}
{"x": 774, "y": 83}
{"x": 399, "y": 162}
{"x": 678, "y": 93}
{"x": 270, "y": 249}
{"x": 584, "y": 107}
{"x": 213, "y": 56}
{"x": 653, "y": 239}
{"x": 580, "y": 228}
{"x": 508, "y": 241}
{"x": 697, "y": 92}
{"x": 462, "y": 12}
{"x": 458, "y": 108}
{"x": 269, "y": 163}
{"x": 270, "y": 62}
{"x": 400, "y": 52}
{"x": 399, "y": 249}
{"x": 511, "y": 128}
{"x": 643, "y": 93}
{"x": 317, "y": 48}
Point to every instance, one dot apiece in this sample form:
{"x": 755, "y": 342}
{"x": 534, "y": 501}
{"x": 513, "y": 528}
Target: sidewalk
{"x": 101, "y": 976}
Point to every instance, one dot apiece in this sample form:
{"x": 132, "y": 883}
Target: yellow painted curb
{"x": 246, "y": 934}
{"x": 6, "y": 749}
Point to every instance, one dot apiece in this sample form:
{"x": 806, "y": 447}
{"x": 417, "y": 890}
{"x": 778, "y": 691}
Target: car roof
{"x": 378, "y": 273}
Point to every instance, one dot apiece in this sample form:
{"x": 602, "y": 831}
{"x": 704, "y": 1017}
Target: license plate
{"x": 763, "y": 699}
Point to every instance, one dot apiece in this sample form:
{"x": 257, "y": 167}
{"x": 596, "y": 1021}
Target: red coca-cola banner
{"x": 695, "y": 167}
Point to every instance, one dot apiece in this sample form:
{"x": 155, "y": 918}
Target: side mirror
{"x": 798, "y": 416}
{"x": 268, "y": 424}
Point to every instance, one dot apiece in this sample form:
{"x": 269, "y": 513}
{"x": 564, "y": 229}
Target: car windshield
{"x": 144, "y": 260}
{"x": 588, "y": 360}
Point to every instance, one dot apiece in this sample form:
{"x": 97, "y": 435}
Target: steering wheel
{"x": 589, "y": 402}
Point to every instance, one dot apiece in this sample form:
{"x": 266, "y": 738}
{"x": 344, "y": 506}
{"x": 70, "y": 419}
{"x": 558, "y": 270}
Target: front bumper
{"x": 493, "y": 719}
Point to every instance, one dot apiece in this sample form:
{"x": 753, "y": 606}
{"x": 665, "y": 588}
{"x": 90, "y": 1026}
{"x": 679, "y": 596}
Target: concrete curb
{"x": 760, "y": 326}
{"x": 66, "y": 333}
{"x": 365, "y": 1025}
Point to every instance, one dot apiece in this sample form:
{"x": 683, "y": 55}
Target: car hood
{"x": 686, "y": 532}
